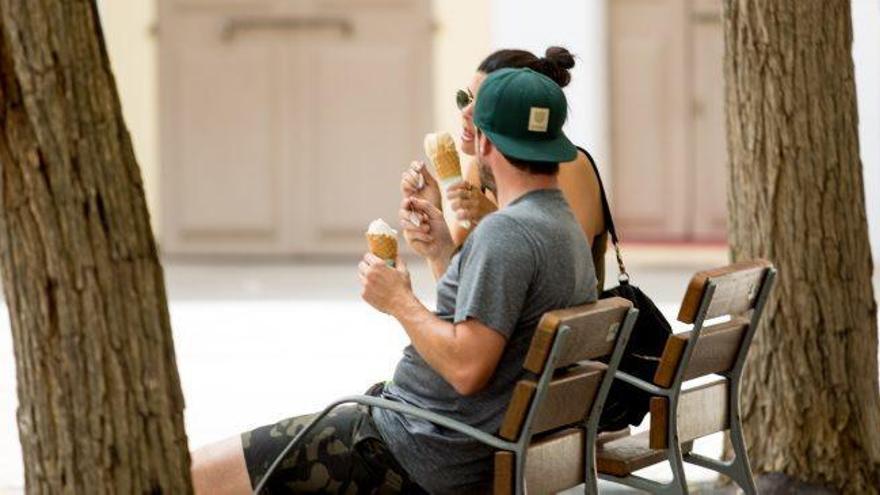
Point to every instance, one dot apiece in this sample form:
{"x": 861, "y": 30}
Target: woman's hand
{"x": 417, "y": 182}
{"x": 468, "y": 203}
{"x": 430, "y": 238}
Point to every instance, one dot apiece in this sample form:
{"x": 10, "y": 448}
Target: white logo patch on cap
{"x": 539, "y": 118}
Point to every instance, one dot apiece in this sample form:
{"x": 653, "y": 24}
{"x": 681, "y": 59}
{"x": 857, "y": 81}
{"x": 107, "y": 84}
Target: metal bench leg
{"x": 519, "y": 473}
{"x": 679, "y": 482}
{"x": 741, "y": 472}
{"x": 591, "y": 486}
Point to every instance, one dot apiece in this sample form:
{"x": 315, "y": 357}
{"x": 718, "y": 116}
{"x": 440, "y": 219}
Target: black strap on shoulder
{"x": 606, "y": 210}
{"x": 609, "y": 220}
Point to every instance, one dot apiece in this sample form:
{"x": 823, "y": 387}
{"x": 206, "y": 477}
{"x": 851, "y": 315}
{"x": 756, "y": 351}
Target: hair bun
{"x": 556, "y": 63}
{"x": 560, "y": 56}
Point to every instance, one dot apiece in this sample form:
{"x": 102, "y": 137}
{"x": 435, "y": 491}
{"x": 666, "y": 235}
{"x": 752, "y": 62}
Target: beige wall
{"x": 131, "y": 42}
{"x": 461, "y": 40}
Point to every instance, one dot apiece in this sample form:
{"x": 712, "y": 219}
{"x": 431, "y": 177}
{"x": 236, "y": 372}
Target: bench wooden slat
{"x": 593, "y": 333}
{"x": 544, "y": 472}
{"x": 568, "y": 399}
{"x": 702, "y": 410}
{"x": 553, "y": 464}
{"x": 556, "y": 463}
{"x": 627, "y": 455}
{"x": 715, "y": 351}
{"x": 502, "y": 482}
{"x": 736, "y": 287}
{"x": 624, "y": 456}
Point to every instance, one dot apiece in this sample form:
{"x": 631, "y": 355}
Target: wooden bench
{"x": 678, "y": 416}
{"x": 552, "y": 412}
{"x": 550, "y": 418}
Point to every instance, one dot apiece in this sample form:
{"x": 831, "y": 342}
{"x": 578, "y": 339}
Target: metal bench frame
{"x": 520, "y": 446}
{"x": 737, "y": 468}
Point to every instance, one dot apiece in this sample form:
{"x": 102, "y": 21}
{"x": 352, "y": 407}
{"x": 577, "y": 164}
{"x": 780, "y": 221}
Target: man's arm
{"x": 464, "y": 354}
{"x": 495, "y": 277}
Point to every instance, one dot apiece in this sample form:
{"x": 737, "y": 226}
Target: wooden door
{"x": 369, "y": 108}
{"x": 667, "y": 120}
{"x": 286, "y": 125}
{"x": 222, "y": 172}
{"x": 649, "y": 115}
{"x": 708, "y": 217}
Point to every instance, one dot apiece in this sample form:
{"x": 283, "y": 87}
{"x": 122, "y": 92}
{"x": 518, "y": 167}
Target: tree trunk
{"x": 810, "y": 390}
{"x": 100, "y": 405}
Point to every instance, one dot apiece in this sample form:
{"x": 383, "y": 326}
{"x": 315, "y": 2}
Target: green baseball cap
{"x": 522, "y": 112}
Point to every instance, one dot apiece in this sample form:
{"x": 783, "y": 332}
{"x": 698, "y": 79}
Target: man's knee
{"x": 220, "y": 468}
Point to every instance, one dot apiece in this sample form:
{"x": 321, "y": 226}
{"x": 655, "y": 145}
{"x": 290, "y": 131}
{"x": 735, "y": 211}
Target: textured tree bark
{"x": 100, "y": 405}
{"x": 810, "y": 391}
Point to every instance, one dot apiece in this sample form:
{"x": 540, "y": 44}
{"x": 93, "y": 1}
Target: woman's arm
{"x": 581, "y": 189}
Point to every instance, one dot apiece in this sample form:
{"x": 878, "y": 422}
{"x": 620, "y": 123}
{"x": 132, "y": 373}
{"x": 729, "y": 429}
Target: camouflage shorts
{"x": 344, "y": 453}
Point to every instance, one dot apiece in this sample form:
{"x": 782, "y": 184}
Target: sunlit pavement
{"x": 259, "y": 342}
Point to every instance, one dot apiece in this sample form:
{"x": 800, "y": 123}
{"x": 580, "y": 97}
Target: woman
{"x": 578, "y": 181}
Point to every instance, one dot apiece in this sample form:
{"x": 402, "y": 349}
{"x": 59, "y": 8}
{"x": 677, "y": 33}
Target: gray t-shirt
{"x": 520, "y": 262}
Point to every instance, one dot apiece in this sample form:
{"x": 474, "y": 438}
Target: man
{"x": 527, "y": 258}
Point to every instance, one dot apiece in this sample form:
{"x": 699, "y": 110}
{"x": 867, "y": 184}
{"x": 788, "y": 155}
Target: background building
{"x": 272, "y": 131}
{"x": 242, "y": 137}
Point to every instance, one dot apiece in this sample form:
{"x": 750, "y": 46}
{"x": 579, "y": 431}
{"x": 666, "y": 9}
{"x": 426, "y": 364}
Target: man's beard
{"x": 487, "y": 178}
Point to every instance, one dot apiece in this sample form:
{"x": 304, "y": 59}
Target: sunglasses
{"x": 463, "y": 98}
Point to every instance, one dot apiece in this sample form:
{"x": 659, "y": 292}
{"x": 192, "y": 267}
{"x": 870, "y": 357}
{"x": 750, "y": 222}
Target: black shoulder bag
{"x": 626, "y": 404}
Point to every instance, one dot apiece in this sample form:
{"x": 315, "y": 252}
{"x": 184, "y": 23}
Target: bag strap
{"x": 623, "y": 276}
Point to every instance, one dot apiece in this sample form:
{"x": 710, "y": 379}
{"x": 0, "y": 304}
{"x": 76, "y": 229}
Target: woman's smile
{"x": 466, "y": 135}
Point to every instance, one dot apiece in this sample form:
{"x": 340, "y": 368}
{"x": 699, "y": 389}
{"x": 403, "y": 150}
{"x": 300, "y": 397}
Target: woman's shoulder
{"x": 582, "y": 166}
{"x": 580, "y": 182}
{"x": 584, "y": 157}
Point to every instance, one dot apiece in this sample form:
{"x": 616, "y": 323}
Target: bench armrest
{"x": 476, "y": 434}
{"x": 642, "y": 384}
{"x": 407, "y": 409}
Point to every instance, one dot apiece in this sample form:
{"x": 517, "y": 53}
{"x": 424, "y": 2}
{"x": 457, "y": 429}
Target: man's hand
{"x": 431, "y": 238}
{"x": 464, "y": 354}
{"x": 385, "y": 288}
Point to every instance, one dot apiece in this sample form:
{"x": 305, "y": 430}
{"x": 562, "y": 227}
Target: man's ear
{"x": 485, "y": 146}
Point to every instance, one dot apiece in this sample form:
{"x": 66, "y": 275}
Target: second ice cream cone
{"x": 383, "y": 246}
{"x": 382, "y": 240}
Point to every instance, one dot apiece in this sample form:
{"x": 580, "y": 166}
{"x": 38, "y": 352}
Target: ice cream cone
{"x": 440, "y": 149}
{"x": 383, "y": 246}
{"x": 382, "y": 240}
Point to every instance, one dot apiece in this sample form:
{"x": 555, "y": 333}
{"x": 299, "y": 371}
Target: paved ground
{"x": 259, "y": 342}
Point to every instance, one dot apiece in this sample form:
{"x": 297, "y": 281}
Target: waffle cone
{"x": 440, "y": 149}
{"x": 383, "y": 246}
